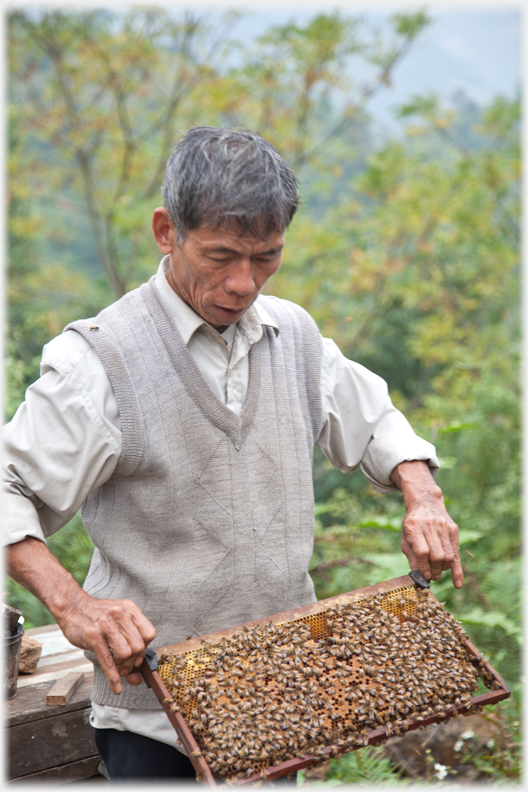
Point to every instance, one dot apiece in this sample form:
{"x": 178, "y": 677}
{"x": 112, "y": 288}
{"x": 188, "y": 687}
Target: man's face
{"x": 219, "y": 272}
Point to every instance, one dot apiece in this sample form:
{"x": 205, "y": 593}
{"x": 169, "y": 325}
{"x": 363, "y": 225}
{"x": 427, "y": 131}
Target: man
{"x": 183, "y": 419}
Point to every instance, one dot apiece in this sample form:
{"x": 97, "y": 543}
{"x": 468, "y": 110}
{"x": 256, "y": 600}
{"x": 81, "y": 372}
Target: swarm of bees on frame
{"x": 276, "y": 692}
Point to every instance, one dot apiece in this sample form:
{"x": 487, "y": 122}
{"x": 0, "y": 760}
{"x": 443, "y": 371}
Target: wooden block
{"x": 52, "y": 674}
{"x": 63, "y": 690}
{"x": 30, "y": 702}
{"x": 30, "y": 651}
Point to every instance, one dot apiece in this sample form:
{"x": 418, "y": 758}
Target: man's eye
{"x": 266, "y": 261}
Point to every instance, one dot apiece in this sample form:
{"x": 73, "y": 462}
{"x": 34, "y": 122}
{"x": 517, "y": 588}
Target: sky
{"x": 473, "y": 49}
{"x": 472, "y": 46}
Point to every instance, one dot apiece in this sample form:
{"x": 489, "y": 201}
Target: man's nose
{"x": 240, "y": 279}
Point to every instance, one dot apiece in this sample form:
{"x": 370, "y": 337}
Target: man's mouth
{"x": 230, "y": 312}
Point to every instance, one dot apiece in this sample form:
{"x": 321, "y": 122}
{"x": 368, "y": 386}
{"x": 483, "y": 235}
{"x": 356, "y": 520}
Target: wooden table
{"x": 51, "y": 743}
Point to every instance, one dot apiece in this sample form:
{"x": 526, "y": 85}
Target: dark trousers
{"x": 129, "y": 756}
{"x": 132, "y": 756}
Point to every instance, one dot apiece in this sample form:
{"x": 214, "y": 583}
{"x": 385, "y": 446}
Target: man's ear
{"x": 162, "y": 226}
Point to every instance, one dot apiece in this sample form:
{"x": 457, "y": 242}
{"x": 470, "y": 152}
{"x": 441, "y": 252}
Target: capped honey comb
{"x": 276, "y": 691}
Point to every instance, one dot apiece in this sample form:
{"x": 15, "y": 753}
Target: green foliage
{"x": 18, "y": 374}
{"x": 491, "y": 618}
{"x": 366, "y": 766}
{"x": 101, "y": 97}
{"x": 43, "y": 293}
{"x": 406, "y": 253}
{"x": 35, "y": 614}
{"x": 432, "y": 297}
{"x": 296, "y": 87}
{"x": 73, "y": 548}
{"x": 411, "y": 25}
{"x": 499, "y": 760}
{"x": 426, "y": 106}
{"x": 504, "y": 766}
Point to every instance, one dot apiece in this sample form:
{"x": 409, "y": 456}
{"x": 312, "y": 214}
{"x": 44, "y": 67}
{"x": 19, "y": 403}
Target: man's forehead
{"x": 231, "y": 236}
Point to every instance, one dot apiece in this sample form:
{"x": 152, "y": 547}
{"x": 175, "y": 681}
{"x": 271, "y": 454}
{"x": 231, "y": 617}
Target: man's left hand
{"x": 429, "y": 535}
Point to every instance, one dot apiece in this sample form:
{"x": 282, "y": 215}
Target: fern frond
{"x": 367, "y": 766}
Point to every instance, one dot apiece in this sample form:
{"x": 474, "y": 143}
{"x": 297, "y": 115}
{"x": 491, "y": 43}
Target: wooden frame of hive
{"x": 313, "y": 616}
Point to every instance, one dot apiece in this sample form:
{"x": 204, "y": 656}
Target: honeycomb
{"x": 281, "y": 690}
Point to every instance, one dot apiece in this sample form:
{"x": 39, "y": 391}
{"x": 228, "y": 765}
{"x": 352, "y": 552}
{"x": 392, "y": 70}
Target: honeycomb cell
{"x": 276, "y": 691}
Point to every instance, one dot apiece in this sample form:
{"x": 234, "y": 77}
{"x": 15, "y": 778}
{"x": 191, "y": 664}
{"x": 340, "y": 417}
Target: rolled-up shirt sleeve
{"x": 63, "y": 442}
{"x": 362, "y": 426}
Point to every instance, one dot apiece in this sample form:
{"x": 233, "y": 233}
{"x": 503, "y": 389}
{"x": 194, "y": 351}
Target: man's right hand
{"x": 115, "y": 630}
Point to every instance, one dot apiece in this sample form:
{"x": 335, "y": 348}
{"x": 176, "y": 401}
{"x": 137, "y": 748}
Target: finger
{"x": 457, "y": 574}
{"x": 145, "y": 628}
{"x": 134, "y": 679}
{"x": 125, "y": 669}
{"x": 131, "y": 665}
{"x": 108, "y": 665}
{"x": 413, "y": 541}
{"x": 452, "y": 555}
{"x": 113, "y": 668}
{"x": 421, "y": 564}
{"x": 427, "y": 538}
{"x": 118, "y": 644}
{"x": 120, "y": 630}
{"x": 436, "y": 559}
{"x": 408, "y": 551}
{"x": 433, "y": 537}
{"x": 450, "y": 544}
{"x": 135, "y": 641}
{"x": 449, "y": 556}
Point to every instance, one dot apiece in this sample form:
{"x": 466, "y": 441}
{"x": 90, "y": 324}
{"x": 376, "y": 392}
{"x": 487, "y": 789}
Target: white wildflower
{"x": 458, "y": 746}
{"x": 490, "y": 743}
{"x": 441, "y": 771}
{"x": 467, "y": 735}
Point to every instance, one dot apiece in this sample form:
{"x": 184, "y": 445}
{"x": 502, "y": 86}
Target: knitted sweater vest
{"x": 207, "y": 521}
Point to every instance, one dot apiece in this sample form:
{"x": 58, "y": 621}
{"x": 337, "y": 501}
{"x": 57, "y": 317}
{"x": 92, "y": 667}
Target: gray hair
{"x": 217, "y": 175}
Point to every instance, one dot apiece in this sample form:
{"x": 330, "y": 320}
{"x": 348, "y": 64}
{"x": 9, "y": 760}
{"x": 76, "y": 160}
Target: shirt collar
{"x": 188, "y": 321}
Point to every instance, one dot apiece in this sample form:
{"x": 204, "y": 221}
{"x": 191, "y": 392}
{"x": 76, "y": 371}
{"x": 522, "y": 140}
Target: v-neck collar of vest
{"x": 235, "y": 425}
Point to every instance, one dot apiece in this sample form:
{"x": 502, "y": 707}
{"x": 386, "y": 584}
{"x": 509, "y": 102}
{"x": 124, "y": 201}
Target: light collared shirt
{"x": 65, "y": 439}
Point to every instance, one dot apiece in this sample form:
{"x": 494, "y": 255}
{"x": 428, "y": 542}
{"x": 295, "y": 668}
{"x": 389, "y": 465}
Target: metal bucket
{"x": 12, "y": 646}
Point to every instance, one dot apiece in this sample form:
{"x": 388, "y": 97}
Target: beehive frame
{"x": 198, "y": 651}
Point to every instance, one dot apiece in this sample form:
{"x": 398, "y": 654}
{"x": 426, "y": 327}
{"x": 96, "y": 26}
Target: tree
{"x": 297, "y": 84}
{"x": 417, "y": 277}
{"x": 102, "y": 97}
{"x": 102, "y": 104}
{"x": 407, "y": 254}
{"x": 98, "y": 99}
